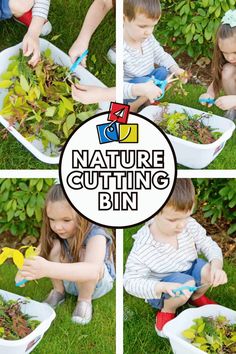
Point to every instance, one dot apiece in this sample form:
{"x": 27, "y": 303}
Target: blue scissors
{"x": 77, "y": 62}
{"x": 22, "y": 282}
{"x": 207, "y": 100}
{"x": 179, "y": 290}
{"x": 162, "y": 84}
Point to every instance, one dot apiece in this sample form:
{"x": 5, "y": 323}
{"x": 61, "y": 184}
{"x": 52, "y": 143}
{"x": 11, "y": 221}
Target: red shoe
{"x": 25, "y": 19}
{"x": 161, "y": 319}
{"x": 201, "y": 301}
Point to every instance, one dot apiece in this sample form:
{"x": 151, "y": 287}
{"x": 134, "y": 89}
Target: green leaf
{"x": 50, "y": 111}
{"x": 68, "y": 104}
{"x": 24, "y": 83}
{"x": 70, "y": 121}
{"x": 47, "y": 53}
{"x": 5, "y": 84}
{"x": 51, "y": 137}
{"x": 85, "y": 115}
{"x": 54, "y": 38}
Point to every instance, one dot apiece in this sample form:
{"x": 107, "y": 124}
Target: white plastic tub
{"x": 39, "y": 311}
{"x": 190, "y": 154}
{"x": 51, "y": 155}
{"x": 184, "y": 320}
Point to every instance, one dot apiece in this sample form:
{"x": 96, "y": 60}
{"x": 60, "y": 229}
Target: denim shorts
{"x": 5, "y": 11}
{"x": 103, "y": 286}
{"x": 160, "y": 73}
{"x": 194, "y": 273}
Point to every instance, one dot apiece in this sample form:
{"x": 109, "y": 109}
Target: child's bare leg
{"x": 86, "y": 289}
{"x": 19, "y": 7}
{"x": 55, "y": 256}
{"x": 134, "y": 106}
{"x": 173, "y": 303}
{"x": 229, "y": 79}
{"x": 205, "y": 279}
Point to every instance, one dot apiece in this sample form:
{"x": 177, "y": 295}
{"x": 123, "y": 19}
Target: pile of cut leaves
{"x": 39, "y": 103}
{"x": 187, "y": 127}
{"x": 13, "y": 323}
{"x": 212, "y": 335}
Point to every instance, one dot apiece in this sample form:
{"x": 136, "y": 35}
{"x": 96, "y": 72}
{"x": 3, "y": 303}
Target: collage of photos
{"x": 72, "y": 283}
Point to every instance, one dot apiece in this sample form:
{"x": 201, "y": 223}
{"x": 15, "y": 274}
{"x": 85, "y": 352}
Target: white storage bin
{"x": 39, "y": 311}
{"x": 190, "y": 154}
{"x": 184, "y": 320}
{"x": 50, "y": 155}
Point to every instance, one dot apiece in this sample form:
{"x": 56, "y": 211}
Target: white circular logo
{"x": 118, "y": 168}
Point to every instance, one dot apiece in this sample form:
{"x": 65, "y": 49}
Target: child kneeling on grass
{"x": 165, "y": 256}
{"x": 75, "y": 254}
{"x": 33, "y": 14}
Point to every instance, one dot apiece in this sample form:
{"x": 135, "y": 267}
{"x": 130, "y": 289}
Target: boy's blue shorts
{"x": 5, "y": 11}
{"x": 194, "y": 273}
{"x": 160, "y": 73}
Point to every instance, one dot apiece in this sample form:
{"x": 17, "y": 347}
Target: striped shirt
{"x": 138, "y": 63}
{"x": 41, "y": 8}
{"x": 150, "y": 261}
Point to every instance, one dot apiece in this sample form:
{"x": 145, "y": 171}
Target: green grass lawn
{"x": 139, "y": 317}
{"x": 227, "y": 158}
{"x": 66, "y": 21}
{"x": 64, "y": 336}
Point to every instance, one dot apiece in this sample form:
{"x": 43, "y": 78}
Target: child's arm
{"x": 93, "y": 94}
{"x": 94, "y": 17}
{"x": 147, "y": 89}
{"x": 226, "y": 102}
{"x": 89, "y": 269}
{"x": 31, "y": 39}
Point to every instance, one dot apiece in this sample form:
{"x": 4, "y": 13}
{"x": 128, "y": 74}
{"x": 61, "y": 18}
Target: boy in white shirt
{"x": 142, "y": 52}
{"x": 164, "y": 257}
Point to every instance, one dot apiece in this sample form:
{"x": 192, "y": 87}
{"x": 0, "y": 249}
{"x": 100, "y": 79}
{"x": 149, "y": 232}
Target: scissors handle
{"x": 185, "y": 287}
{"x": 207, "y": 100}
{"x": 162, "y": 84}
{"x": 22, "y": 282}
{"x": 78, "y": 61}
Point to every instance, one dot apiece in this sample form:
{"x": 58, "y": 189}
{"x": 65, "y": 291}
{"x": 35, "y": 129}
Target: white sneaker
{"x": 111, "y": 54}
{"x": 82, "y": 313}
{"x": 47, "y": 28}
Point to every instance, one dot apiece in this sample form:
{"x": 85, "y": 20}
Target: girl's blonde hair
{"x": 225, "y": 31}
{"x": 83, "y": 226}
{"x": 150, "y": 8}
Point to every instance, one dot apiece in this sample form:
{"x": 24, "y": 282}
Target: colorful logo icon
{"x": 118, "y": 130}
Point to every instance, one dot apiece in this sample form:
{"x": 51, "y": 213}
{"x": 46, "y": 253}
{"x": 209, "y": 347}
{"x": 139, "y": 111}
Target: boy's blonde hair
{"x": 183, "y": 195}
{"x": 150, "y": 8}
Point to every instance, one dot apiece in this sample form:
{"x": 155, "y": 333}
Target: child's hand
{"x": 35, "y": 268}
{"x": 86, "y": 94}
{"x": 168, "y": 287}
{"x": 18, "y": 278}
{"x": 77, "y": 49}
{"x": 218, "y": 276}
{"x": 206, "y": 95}
{"x": 147, "y": 89}
{"x": 182, "y": 74}
{"x": 226, "y": 102}
{"x": 31, "y": 46}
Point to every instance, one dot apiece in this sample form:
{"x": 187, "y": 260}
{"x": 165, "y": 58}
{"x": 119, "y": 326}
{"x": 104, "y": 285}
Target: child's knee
{"x": 19, "y": 7}
{"x": 228, "y": 72}
{"x": 55, "y": 251}
{"x": 206, "y": 274}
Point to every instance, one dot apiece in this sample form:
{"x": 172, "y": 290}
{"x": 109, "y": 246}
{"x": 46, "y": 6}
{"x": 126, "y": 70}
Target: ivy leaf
{"x": 50, "y": 137}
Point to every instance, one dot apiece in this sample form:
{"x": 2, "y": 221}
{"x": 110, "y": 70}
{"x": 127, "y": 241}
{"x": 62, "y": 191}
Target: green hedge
{"x": 190, "y": 26}
{"x": 219, "y": 196}
{"x": 21, "y": 204}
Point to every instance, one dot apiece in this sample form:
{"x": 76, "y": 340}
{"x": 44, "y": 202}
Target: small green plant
{"x": 13, "y": 323}
{"x": 21, "y": 205}
{"x": 39, "y": 103}
{"x": 212, "y": 335}
{"x": 187, "y": 127}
